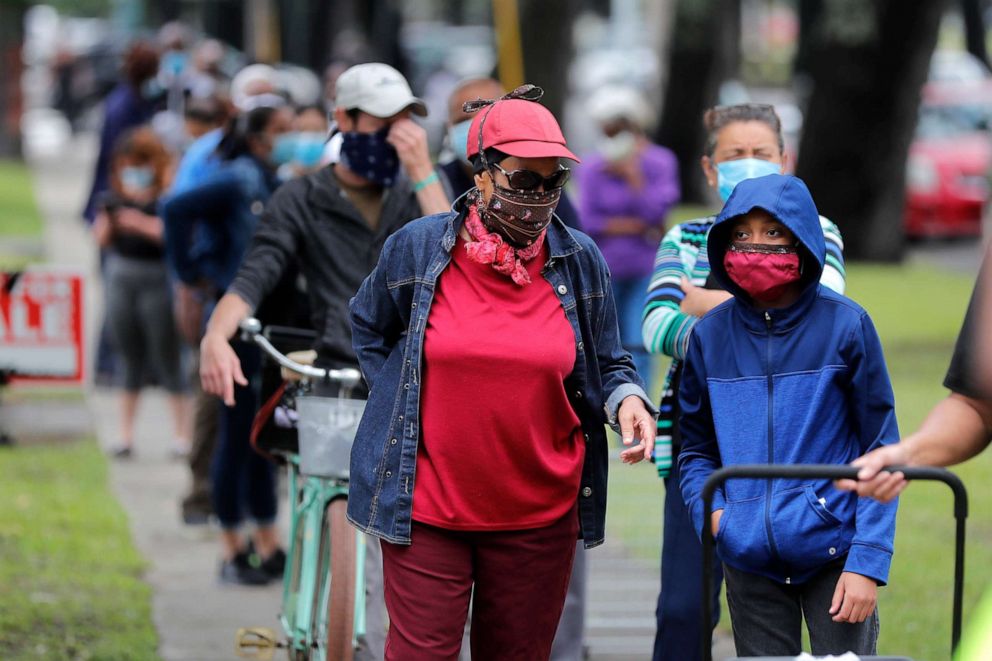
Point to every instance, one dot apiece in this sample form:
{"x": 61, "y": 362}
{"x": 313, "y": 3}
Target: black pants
{"x": 767, "y": 616}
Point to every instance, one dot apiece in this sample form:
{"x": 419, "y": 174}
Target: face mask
{"x": 369, "y": 155}
{"x": 765, "y": 272}
{"x": 137, "y": 179}
{"x": 283, "y": 148}
{"x": 174, "y": 62}
{"x": 458, "y": 139}
{"x": 618, "y": 147}
{"x": 309, "y": 149}
{"x": 731, "y": 173}
{"x": 519, "y": 216}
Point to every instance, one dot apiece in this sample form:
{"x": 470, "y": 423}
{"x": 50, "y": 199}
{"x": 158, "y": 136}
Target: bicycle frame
{"x": 306, "y": 590}
{"x": 310, "y": 497}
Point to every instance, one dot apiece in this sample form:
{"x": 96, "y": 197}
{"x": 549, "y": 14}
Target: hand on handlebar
{"x": 873, "y": 481}
{"x": 220, "y": 367}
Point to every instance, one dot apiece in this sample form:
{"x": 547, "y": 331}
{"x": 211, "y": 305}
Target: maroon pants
{"x": 520, "y": 579}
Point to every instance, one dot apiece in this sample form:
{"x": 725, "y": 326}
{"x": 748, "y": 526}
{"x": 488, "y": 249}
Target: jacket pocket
{"x": 807, "y": 533}
{"x": 741, "y": 540}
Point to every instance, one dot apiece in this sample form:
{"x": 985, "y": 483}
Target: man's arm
{"x": 957, "y": 428}
{"x": 220, "y": 367}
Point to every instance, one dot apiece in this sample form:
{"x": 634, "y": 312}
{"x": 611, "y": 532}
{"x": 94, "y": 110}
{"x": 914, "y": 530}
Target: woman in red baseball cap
{"x": 488, "y": 337}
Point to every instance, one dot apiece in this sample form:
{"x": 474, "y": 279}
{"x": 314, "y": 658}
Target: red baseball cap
{"x": 520, "y": 128}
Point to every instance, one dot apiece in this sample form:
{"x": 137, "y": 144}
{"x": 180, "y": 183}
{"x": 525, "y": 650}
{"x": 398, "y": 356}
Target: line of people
{"x": 482, "y": 455}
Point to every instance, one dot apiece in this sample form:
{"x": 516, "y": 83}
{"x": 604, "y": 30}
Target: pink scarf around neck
{"x": 489, "y": 248}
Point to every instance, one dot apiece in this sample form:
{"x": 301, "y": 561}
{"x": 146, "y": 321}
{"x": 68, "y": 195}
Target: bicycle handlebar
{"x": 828, "y": 472}
{"x": 251, "y": 331}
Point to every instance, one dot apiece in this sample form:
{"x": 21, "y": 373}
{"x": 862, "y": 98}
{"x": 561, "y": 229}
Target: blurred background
{"x": 886, "y": 108}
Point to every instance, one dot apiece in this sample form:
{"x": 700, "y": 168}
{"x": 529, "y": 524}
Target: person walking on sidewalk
{"x": 229, "y": 204}
{"x": 138, "y": 300}
{"x": 333, "y": 223}
{"x": 488, "y": 338}
{"x": 255, "y": 86}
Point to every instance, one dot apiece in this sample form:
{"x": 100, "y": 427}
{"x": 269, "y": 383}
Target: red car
{"x": 947, "y": 173}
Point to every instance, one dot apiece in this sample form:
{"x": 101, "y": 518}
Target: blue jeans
{"x": 629, "y": 294}
{"x": 768, "y": 616}
{"x": 679, "y": 605}
{"x": 243, "y": 481}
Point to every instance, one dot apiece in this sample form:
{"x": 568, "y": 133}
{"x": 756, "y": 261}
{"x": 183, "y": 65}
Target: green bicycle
{"x": 323, "y": 597}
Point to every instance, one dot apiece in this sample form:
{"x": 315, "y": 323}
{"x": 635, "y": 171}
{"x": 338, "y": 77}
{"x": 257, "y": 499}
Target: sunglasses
{"x": 529, "y": 180}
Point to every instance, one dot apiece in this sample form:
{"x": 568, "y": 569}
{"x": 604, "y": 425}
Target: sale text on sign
{"x": 41, "y": 324}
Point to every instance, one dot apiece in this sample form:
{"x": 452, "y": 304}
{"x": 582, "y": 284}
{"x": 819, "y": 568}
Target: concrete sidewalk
{"x": 195, "y": 616}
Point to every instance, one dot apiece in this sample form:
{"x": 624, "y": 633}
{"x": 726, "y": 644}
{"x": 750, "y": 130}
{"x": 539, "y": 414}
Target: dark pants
{"x": 243, "y": 482}
{"x": 629, "y": 294}
{"x": 203, "y": 443}
{"x": 679, "y": 604}
{"x": 767, "y": 616}
{"x": 519, "y": 578}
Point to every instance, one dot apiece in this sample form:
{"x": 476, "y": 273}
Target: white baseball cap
{"x": 253, "y": 80}
{"x": 614, "y": 103}
{"x": 378, "y": 89}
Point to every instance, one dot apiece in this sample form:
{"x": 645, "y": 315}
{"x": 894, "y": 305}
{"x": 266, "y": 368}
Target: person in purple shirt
{"x": 626, "y": 190}
{"x": 126, "y": 107}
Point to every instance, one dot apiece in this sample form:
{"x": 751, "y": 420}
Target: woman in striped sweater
{"x": 744, "y": 141}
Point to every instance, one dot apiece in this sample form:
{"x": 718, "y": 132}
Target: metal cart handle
{"x": 828, "y": 472}
{"x": 251, "y": 331}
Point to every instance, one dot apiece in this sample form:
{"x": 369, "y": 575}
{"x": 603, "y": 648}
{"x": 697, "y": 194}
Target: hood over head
{"x": 787, "y": 199}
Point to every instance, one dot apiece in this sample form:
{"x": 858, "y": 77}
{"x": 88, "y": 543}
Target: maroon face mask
{"x": 763, "y": 271}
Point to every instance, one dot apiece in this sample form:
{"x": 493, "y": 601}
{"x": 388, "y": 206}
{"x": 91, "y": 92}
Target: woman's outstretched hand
{"x": 636, "y": 422}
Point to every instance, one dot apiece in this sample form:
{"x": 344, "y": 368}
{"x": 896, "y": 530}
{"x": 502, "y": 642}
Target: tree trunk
{"x": 703, "y": 52}
{"x": 11, "y": 66}
{"x": 867, "y": 62}
{"x": 974, "y": 30}
{"x": 546, "y": 37}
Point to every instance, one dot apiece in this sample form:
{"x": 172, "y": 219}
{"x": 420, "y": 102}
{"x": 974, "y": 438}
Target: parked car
{"x": 947, "y": 173}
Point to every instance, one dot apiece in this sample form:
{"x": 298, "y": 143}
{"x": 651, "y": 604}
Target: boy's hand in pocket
{"x": 854, "y": 599}
{"x": 715, "y": 517}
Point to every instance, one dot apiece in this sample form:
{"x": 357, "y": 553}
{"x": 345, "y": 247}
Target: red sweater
{"x": 501, "y": 447}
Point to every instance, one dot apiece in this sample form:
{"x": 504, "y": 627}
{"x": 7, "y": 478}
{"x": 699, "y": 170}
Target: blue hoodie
{"x": 806, "y": 384}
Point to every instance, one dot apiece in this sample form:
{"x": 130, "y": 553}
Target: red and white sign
{"x": 41, "y": 324}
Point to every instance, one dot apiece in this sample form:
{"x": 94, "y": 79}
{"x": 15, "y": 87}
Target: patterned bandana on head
{"x": 489, "y": 248}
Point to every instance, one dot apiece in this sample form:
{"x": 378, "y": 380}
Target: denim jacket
{"x": 389, "y": 319}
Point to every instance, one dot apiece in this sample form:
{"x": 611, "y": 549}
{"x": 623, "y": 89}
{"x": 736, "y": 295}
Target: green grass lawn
{"x": 70, "y": 578}
{"x": 18, "y": 211}
{"x": 915, "y": 608}
{"x": 20, "y": 219}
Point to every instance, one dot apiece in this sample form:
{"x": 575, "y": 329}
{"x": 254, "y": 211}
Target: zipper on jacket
{"x": 769, "y": 484}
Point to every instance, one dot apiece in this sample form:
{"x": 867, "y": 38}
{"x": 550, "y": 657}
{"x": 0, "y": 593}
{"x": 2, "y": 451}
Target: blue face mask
{"x": 731, "y": 173}
{"x": 137, "y": 178}
{"x": 309, "y": 149}
{"x": 369, "y": 156}
{"x": 174, "y": 62}
{"x": 458, "y": 139}
{"x": 283, "y": 148}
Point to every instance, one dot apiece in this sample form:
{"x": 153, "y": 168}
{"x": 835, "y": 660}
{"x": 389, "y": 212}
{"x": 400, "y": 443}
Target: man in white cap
{"x": 334, "y": 223}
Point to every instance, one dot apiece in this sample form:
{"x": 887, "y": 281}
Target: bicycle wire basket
{"x": 327, "y": 427}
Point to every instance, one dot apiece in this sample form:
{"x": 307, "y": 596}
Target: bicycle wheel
{"x": 339, "y": 608}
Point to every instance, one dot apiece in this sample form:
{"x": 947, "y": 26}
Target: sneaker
{"x": 239, "y": 571}
{"x": 122, "y": 452}
{"x": 275, "y": 565}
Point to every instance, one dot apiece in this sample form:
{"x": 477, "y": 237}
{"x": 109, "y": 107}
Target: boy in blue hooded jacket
{"x": 787, "y": 372}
